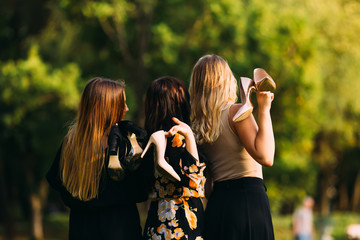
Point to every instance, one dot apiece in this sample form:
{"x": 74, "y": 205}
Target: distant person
{"x": 100, "y": 207}
{"x": 303, "y": 220}
{"x": 235, "y": 147}
{"x": 176, "y": 211}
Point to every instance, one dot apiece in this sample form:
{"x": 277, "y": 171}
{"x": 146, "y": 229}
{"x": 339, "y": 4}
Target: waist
{"x": 240, "y": 183}
{"x": 223, "y": 169}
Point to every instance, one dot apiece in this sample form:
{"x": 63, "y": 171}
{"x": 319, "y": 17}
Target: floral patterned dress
{"x": 176, "y": 210}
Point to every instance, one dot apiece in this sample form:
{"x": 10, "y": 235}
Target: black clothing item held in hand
{"x": 114, "y": 140}
{"x": 123, "y": 141}
{"x": 134, "y": 136}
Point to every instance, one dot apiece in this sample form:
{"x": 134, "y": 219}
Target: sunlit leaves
{"x": 29, "y": 84}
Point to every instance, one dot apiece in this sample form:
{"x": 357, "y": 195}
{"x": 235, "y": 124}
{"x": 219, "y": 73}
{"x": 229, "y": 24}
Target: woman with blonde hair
{"x": 235, "y": 147}
{"x": 100, "y": 207}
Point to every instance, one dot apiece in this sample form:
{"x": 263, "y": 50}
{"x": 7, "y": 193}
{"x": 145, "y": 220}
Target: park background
{"x": 51, "y": 48}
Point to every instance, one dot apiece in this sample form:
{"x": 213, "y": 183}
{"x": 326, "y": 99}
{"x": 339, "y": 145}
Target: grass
{"x": 282, "y": 227}
{"x": 337, "y": 223}
{"x": 56, "y": 226}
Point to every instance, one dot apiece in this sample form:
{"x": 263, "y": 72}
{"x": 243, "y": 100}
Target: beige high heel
{"x": 246, "y": 87}
{"x": 159, "y": 140}
{"x": 263, "y": 81}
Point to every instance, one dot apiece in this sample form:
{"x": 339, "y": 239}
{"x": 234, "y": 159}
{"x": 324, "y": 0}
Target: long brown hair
{"x": 82, "y": 159}
{"x": 212, "y": 89}
{"x": 166, "y": 97}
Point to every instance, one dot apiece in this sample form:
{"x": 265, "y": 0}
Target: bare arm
{"x": 258, "y": 140}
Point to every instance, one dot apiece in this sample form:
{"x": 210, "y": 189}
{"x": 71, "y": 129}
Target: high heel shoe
{"x": 133, "y": 153}
{"x": 131, "y": 133}
{"x": 124, "y": 149}
{"x": 115, "y": 169}
{"x": 263, "y": 81}
{"x": 246, "y": 87}
{"x": 129, "y": 159}
{"x": 158, "y": 139}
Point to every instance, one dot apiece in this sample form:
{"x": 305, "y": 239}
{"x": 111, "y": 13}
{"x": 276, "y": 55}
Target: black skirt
{"x": 109, "y": 223}
{"x": 238, "y": 209}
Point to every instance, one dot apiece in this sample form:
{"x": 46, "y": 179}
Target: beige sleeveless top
{"x": 227, "y": 157}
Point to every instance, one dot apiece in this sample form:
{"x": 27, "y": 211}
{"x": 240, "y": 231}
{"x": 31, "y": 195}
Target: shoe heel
{"x": 167, "y": 170}
{"x": 246, "y": 87}
{"x": 134, "y": 144}
{"x": 146, "y": 148}
{"x": 114, "y": 162}
{"x": 242, "y": 115}
{"x": 115, "y": 169}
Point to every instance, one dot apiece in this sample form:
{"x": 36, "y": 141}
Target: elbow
{"x": 265, "y": 158}
{"x": 267, "y": 161}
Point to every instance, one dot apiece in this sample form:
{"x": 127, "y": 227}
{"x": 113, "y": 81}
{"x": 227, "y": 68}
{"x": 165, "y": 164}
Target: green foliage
{"x": 340, "y": 222}
{"x": 36, "y": 102}
{"x": 310, "y": 48}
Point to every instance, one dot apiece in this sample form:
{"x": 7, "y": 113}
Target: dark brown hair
{"x": 166, "y": 97}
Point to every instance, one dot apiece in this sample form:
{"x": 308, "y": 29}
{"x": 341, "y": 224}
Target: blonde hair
{"x": 82, "y": 159}
{"x": 212, "y": 88}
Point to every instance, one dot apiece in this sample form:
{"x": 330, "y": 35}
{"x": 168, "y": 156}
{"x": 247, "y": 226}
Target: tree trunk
{"x": 144, "y": 16}
{"x": 356, "y": 195}
{"x": 6, "y": 216}
{"x": 37, "y": 200}
{"x": 324, "y": 200}
{"x": 141, "y": 75}
{"x": 327, "y": 190}
{"x": 343, "y": 197}
{"x": 36, "y": 217}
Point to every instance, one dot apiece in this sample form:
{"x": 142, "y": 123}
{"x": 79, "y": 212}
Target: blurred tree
{"x": 308, "y": 51}
{"x": 35, "y": 102}
{"x": 310, "y": 48}
{"x": 20, "y": 19}
{"x": 140, "y": 40}
{"x": 338, "y": 60}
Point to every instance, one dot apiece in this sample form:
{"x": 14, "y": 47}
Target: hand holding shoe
{"x": 264, "y": 100}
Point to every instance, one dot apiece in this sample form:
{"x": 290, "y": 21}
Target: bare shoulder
{"x": 247, "y": 123}
{"x": 233, "y": 109}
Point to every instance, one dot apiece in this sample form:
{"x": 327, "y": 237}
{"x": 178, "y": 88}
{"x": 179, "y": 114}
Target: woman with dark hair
{"x": 100, "y": 208}
{"x": 176, "y": 210}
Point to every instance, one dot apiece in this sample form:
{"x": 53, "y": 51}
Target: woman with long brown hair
{"x": 176, "y": 210}
{"x": 100, "y": 207}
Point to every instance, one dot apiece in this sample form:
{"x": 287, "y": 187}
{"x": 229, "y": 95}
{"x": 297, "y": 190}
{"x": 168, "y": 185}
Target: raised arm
{"x": 258, "y": 140}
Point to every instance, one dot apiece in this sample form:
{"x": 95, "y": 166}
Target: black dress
{"x": 113, "y": 214}
{"x": 176, "y": 210}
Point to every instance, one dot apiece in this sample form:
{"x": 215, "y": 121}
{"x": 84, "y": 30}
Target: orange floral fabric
{"x": 176, "y": 211}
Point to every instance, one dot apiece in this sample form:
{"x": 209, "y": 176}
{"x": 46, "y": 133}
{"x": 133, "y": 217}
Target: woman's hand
{"x": 264, "y": 100}
{"x": 185, "y": 130}
{"x": 181, "y": 128}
